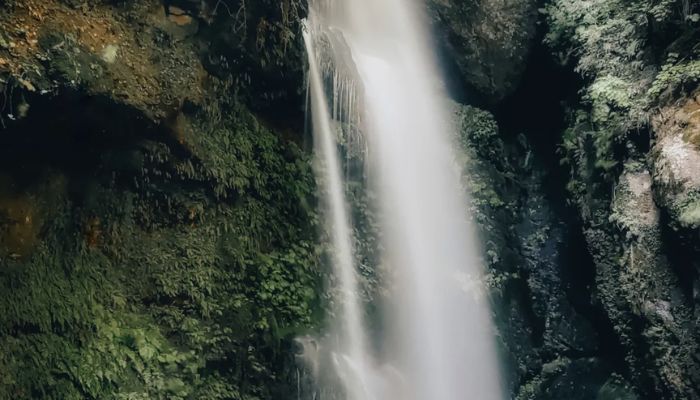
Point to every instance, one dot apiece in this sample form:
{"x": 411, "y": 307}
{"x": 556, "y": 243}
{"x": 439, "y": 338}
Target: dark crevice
{"x": 76, "y": 134}
{"x": 578, "y": 274}
{"x": 523, "y": 295}
{"x": 538, "y": 108}
{"x": 679, "y": 246}
{"x": 92, "y": 140}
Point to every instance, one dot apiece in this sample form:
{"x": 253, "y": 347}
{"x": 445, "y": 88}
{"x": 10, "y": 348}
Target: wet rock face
{"x": 651, "y": 289}
{"x": 675, "y": 159}
{"x": 633, "y": 158}
{"x": 526, "y": 251}
{"x": 488, "y": 40}
{"x": 646, "y": 276}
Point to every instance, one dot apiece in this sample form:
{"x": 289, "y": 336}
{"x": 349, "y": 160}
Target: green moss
{"x": 152, "y": 285}
{"x": 536, "y": 388}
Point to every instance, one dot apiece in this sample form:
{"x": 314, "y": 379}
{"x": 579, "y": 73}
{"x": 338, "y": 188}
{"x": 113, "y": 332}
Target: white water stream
{"x": 439, "y": 340}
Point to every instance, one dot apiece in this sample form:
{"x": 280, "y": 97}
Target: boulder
{"x": 488, "y": 40}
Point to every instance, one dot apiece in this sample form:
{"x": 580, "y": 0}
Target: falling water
{"x": 353, "y": 353}
{"x": 439, "y": 341}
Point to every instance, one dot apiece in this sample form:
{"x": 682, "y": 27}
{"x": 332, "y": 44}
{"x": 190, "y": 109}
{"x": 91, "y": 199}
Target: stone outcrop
{"x": 677, "y": 161}
{"x": 488, "y": 40}
{"x": 548, "y": 340}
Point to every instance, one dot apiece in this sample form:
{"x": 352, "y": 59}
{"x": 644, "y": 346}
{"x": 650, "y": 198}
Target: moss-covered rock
{"x": 631, "y": 161}
{"x": 650, "y": 288}
{"x": 157, "y": 238}
{"x": 488, "y": 40}
{"x": 125, "y": 51}
{"x": 524, "y": 247}
{"x": 147, "y": 282}
{"x": 584, "y": 379}
{"x": 677, "y": 161}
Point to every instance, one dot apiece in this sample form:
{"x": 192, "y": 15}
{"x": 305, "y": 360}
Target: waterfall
{"x": 352, "y": 352}
{"x": 439, "y": 339}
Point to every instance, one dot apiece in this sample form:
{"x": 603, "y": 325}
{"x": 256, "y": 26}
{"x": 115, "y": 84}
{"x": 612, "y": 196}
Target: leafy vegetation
{"x": 614, "y": 45}
{"x": 182, "y": 279}
{"x": 636, "y": 57}
{"x": 675, "y": 75}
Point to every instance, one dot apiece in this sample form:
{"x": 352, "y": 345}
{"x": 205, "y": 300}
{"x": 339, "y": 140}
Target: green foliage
{"x": 274, "y": 37}
{"x": 487, "y": 166}
{"x": 675, "y": 75}
{"x": 608, "y": 40}
{"x": 479, "y": 131}
{"x": 488, "y": 175}
{"x": 200, "y": 270}
{"x": 613, "y": 45}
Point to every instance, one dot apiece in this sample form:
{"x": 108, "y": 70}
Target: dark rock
{"x": 577, "y": 379}
{"x": 616, "y": 389}
{"x": 488, "y": 40}
{"x": 639, "y": 290}
{"x": 524, "y": 244}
